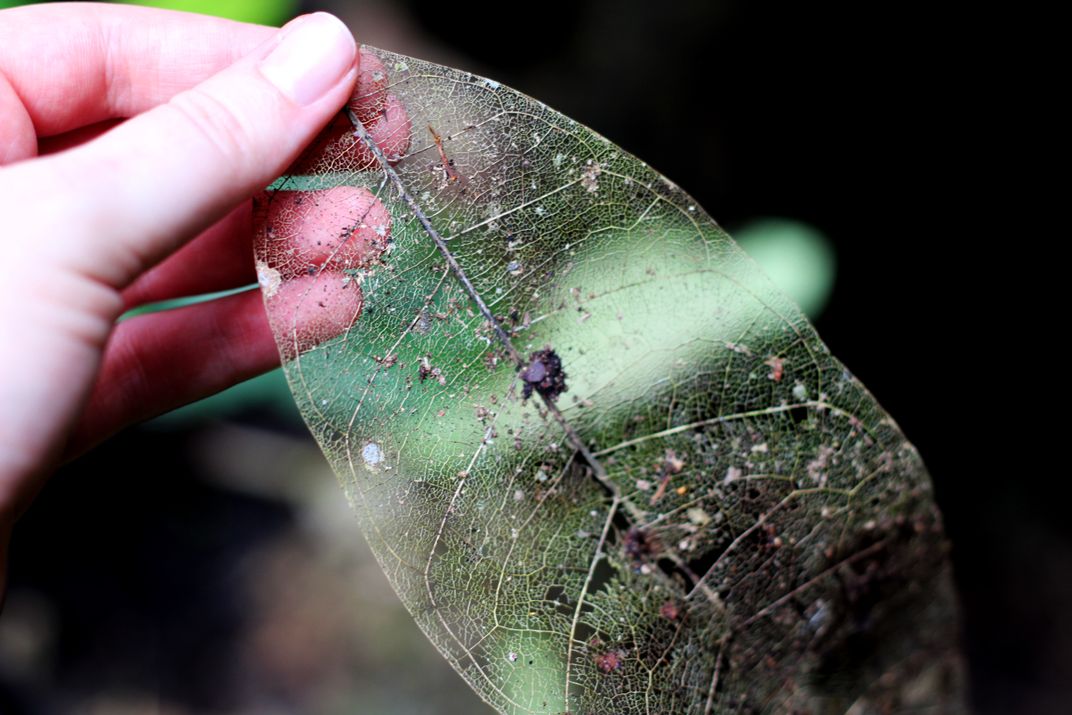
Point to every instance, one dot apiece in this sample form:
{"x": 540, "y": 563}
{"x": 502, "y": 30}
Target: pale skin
{"x": 131, "y": 141}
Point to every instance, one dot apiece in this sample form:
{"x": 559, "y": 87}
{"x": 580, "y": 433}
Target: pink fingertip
{"x": 333, "y": 229}
{"x": 370, "y": 91}
{"x": 309, "y": 310}
{"x": 337, "y": 147}
{"x": 392, "y": 132}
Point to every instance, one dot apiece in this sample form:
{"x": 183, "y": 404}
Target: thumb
{"x": 132, "y": 196}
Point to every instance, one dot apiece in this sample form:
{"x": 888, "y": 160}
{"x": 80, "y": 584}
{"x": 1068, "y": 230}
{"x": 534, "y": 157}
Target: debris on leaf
{"x": 777, "y": 367}
{"x": 544, "y": 374}
{"x": 669, "y": 611}
{"x": 609, "y": 662}
{"x": 698, "y": 516}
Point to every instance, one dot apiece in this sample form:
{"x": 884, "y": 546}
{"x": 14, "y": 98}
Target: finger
{"x": 88, "y": 62}
{"x": 75, "y": 137}
{"x": 304, "y": 232}
{"x": 18, "y": 139}
{"x": 221, "y": 258}
{"x": 124, "y": 201}
{"x": 383, "y": 115}
{"x": 308, "y": 310}
{"x": 337, "y": 147}
{"x": 155, "y": 363}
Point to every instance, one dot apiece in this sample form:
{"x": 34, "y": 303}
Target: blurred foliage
{"x": 264, "y": 12}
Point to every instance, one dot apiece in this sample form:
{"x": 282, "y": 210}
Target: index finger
{"x": 65, "y": 66}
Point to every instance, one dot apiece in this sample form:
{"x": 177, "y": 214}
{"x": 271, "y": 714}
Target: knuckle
{"x": 127, "y": 362}
{"x": 216, "y": 124}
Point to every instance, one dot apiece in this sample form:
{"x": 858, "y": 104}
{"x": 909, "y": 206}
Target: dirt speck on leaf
{"x": 544, "y": 374}
{"x": 269, "y": 279}
{"x": 777, "y": 368}
{"x": 590, "y": 177}
{"x": 609, "y": 662}
{"x": 372, "y": 453}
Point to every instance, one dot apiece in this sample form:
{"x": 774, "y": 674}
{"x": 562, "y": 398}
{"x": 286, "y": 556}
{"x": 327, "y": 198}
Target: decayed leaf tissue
{"x": 606, "y": 465}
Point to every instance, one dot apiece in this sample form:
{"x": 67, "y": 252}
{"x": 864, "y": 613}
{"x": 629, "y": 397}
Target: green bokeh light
{"x": 797, "y": 257}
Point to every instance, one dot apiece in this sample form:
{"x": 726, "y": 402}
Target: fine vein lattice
{"x": 606, "y": 465}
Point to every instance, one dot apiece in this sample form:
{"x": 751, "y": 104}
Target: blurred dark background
{"x": 206, "y": 563}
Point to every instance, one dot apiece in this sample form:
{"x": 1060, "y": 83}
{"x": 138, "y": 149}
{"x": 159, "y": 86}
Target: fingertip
{"x": 392, "y": 133}
{"x": 312, "y": 55}
{"x": 370, "y": 91}
{"x": 157, "y": 362}
{"x": 307, "y": 311}
{"x": 175, "y": 170}
{"x": 338, "y": 148}
{"x": 220, "y": 258}
{"x": 303, "y": 232}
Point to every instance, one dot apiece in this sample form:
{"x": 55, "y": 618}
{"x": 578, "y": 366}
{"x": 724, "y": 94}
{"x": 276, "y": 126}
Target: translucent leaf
{"x": 606, "y": 465}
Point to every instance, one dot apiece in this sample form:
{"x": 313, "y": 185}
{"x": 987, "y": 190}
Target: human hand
{"x": 125, "y": 133}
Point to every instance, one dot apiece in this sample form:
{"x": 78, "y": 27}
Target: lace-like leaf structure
{"x": 606, "y": 465}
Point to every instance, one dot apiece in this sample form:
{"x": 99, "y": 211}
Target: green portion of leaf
{"x": 714, "y": 517}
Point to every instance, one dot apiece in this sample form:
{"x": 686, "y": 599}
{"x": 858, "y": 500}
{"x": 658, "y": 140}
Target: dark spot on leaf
{"x": 425, "y": 370}
{"x": 639, "y": 546}
{"x": 544, "y": 374}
